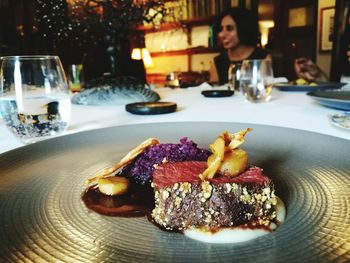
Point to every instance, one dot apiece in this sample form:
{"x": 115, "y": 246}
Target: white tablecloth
{"x": 286, "y": 109}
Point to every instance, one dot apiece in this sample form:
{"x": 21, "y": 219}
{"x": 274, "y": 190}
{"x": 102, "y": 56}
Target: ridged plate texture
{"x": 44, "y": 219}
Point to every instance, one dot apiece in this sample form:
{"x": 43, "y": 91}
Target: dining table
{"x": 285, "y": 109}
{"x": 45, "y": 216}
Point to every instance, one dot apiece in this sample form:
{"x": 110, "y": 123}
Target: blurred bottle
{"x": 173, "y": 79}
{"x": 211, "y": 36}
{"x": 75, "y": 76}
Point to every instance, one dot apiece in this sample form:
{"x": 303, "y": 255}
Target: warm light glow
{"x": 143, "y": 53}
{"x": 163, "y": 47}
{"x": 136, "y": 54}
{"x": 265, "y": 25}
{"x": 95, "y": 6}
{"x": 147, "y": 59}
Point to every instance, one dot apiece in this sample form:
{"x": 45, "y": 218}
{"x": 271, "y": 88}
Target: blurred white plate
{"x": 341, "y": 120}
{"x": 337, "y": 99}
{"x": 309, "y": 88}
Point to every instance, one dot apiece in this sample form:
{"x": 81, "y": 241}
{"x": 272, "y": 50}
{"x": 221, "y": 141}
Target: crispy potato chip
{"x": 237, "y": 139}
{"x": 224, "y": 143}
{"x": 214, "y": 160}
{"x": 125, "y": 160}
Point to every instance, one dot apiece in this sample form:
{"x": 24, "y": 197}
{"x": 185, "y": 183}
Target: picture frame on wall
{"x": 326, "y": 28}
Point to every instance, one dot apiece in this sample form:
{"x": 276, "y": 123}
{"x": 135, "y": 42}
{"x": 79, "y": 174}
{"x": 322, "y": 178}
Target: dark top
{"x": 344, "y": 44}
{"x": 222, "y": 63}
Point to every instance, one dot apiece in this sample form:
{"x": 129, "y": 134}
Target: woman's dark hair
{"x": 246, "y": 22}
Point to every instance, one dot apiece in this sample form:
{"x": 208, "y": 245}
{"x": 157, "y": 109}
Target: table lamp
{"x": 143, "y": 53}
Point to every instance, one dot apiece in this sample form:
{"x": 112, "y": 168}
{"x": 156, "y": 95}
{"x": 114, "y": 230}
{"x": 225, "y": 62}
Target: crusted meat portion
{"x": 185, "y": 201}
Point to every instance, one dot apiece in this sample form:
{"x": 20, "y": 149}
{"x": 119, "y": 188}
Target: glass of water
{"x": 256, "y": 79}
{"x": 34, "y": 96}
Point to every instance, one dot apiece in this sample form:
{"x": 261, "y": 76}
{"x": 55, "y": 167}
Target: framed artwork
{"x": 300, "y": 16}
{"x": 326, "y": 28}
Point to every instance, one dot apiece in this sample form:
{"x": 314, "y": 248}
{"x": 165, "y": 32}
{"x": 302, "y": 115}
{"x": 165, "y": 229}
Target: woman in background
{"x": 239, "y": 34}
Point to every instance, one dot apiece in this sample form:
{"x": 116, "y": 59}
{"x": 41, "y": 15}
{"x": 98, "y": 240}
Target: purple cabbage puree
{"x": 142, "y": 168}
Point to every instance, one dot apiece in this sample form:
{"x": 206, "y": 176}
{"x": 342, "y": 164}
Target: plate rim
{"x": 231, "y": 246}
{"x": 335, "y": 103}
{"x": 327, "y": 98}
{"x": 320, "y": 86}
{"x": 86, "y": 132}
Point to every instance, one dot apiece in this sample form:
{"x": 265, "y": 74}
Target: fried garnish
{"x": 128, "y": 158}
{"x": 218, "y": 149}
{"x": 225, "y": 142}
{"x": 234, "y": 163}
{"x": 237, "y": 138}
{"x": 113, "y": 185}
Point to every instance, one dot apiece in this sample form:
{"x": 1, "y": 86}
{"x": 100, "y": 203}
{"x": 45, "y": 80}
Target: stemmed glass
{"x": 34, "y": 97}
{"x": 256, "y": 79}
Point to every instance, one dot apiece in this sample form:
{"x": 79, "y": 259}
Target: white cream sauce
{"x": 237, "y": 234}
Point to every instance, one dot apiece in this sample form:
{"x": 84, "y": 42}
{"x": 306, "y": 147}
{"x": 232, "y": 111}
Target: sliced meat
{"x": 170, "y": 173}
{"x": 182, "y": 200}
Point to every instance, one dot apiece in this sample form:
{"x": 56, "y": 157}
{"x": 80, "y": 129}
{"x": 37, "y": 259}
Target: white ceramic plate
{"x": 341, "y": 120}
{"x": 44, "y": 219}
{"x": 338, "y": 99}
{"x": 319, "y": 86}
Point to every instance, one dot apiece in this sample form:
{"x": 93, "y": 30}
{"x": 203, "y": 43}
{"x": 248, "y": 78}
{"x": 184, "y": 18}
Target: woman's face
{"x": 228, "y": 34}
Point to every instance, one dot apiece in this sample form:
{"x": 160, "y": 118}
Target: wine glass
{"x": 34, "y": 97}
{"x": 256, "y": 79}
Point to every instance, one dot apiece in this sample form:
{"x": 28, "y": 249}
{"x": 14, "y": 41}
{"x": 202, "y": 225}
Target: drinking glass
{"x": 256, "y": 79}
{"x": 234, "y": 71}
{"x": 34, "y": 96}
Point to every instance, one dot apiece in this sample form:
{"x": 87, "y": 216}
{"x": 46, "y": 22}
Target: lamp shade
{"x": 142, "y": 53}
{"x": 136, "y": 54}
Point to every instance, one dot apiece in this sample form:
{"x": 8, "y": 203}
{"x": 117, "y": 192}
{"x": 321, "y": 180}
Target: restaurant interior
{"x": 181, "y": 39}
{"x": 118, "y": 143}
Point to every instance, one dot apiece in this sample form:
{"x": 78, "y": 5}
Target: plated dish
{"x": 212, "y": 194}
{"x": 334, "y": 99}
{"x": 307, "y": 87}
{"x": 44, "y": 217}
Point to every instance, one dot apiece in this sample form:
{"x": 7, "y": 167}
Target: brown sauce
{"x": 137, "y": 202}
{"x": 150, "y": 219}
